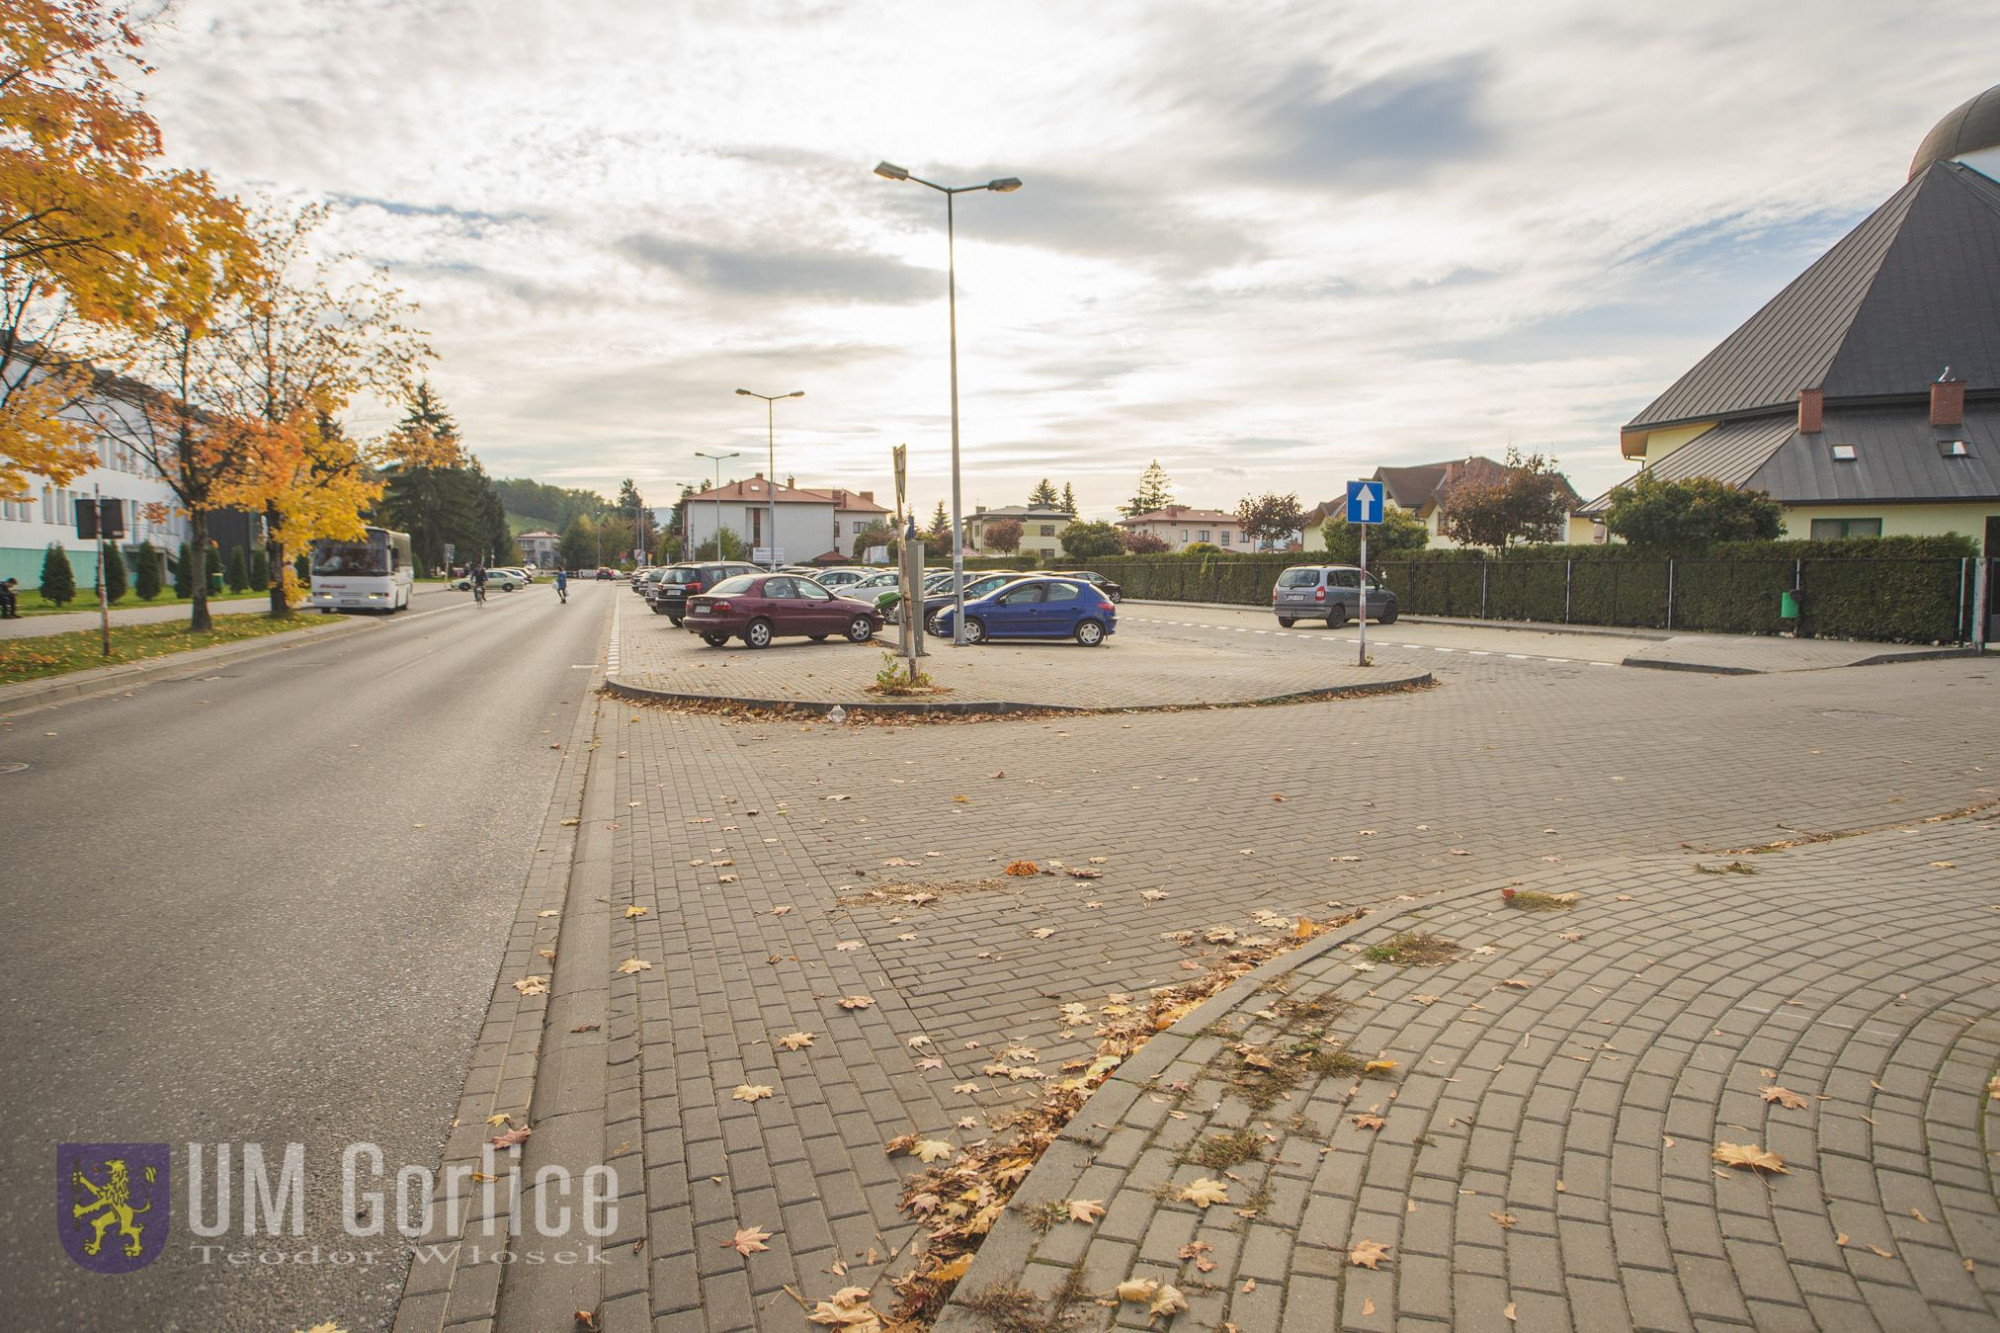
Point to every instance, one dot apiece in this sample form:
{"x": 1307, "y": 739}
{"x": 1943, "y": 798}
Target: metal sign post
{"x": 103, "y": 602}
{"x": 1364, "y": 510}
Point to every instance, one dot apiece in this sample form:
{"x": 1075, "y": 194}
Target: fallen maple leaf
{"x": 532, "y": 985}
{"x": 1506, "y": 1220}
{"x": 1137, "y": 1289}
{"x": 631, "y": 965}
{"x": 931, "y": 1150}
{"x": 502, "y": 1119}
{"x": 1153, "y": 895}
{"x": 748, "y": 1241}
{"x": 750, "y": 1093}
{"x": 1784, "y": 1097}
{"x": 1023, "y": 868}
{"x": 1204, "y": 1192}
{"x": 587, "y": 1321}
{"x": 512, "y": 1138}
{"x": 849, "y": 1309}
{"x": 856, "y": 1001}
{"x": 1042, "y": 932}
{"x": 923, "y": 1205}
{"x": 1085, "y": 1210}
{"x": 636, "y": 910}
{"x": 796, "y": 1041}
{"x": 1367, "y": 1253}
{"x": 1168, "y": 1301}
{"x": 1368, "y": 1121}
{"x": 1748, "y": 1156}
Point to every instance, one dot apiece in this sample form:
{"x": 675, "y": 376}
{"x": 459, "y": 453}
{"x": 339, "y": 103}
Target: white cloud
{"x": 1273, "y": 245}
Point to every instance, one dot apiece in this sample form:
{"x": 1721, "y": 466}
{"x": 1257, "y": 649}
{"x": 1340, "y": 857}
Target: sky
{"x": 1272, "y": 245}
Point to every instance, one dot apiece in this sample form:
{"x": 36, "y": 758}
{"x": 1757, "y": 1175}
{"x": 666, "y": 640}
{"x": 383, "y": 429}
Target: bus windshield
{"x": 354, "y": 559}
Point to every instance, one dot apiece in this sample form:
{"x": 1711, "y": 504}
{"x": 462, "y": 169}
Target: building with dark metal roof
{"x": 1865, "y": 396}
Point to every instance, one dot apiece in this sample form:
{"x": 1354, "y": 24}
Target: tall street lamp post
{"x": 1004, "y": 185}
{"x": 770, "y": 443}
{"x": 692, "y": 553}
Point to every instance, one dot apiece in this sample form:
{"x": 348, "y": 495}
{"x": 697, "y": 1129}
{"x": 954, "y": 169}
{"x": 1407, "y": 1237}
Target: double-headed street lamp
{"x": 717, "y": 458}
{"x": 1004, "y": 185}
{"x": 770, "y": 442}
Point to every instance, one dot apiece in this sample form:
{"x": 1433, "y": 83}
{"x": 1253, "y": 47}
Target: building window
{"x": 1225, "y": 536}
{"x": 1048, "y": 529}
{"x": 1833, "y": 529}
{"x": 1204, "y": 535}
{"x": 1184, "y": 533}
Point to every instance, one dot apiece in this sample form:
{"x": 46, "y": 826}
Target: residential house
{"x": 1423, "y": 489}
{"x": 538, "y": 548}
{"x": 1865, "y": 396}
{"x": 1041, "y": 529}
{"x": 804, "y": 519}
{"x": 1180, "y": 526}
{"x": 853, "y": 512}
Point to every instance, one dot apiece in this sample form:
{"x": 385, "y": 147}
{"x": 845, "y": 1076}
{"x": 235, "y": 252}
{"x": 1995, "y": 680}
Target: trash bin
{"x": 1788, "y": 604}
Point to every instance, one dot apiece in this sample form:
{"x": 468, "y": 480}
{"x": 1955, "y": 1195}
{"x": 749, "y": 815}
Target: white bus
{"x": 373, "y": 574}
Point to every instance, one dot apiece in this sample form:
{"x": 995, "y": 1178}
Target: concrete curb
{"x": 1525, "y": 626}
{"x": 111, "y": 680}
{"x": 1002, "y": 707}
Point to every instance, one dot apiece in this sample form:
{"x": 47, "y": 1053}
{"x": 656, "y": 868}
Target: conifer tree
{"x": 58, "y": 579}
{"x": 114, "y": 572}
{"x": 147, "y": 582}
{"x": 239, "y": 569}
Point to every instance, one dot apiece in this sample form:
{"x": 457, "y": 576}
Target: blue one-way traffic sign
{"x": 1364, "y": 502}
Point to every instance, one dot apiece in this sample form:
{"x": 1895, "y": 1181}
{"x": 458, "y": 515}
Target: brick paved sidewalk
{"x": 1542, "y": 1154}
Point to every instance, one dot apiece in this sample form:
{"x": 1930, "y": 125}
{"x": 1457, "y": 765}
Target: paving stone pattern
{"x": 1526, "y": 767}
{"x": 1546, "y": 1141}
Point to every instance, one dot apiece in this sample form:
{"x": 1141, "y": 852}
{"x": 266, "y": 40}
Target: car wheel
{"x": 1286, "y": 622}
{"x": 817, "y": 638}
{"x": 678, "y": 621}
{"x": 975, "y": 630}
{"x": 659, "y": 610}
{"x": 713, "y": 639}
{"x": 758, "y": 634}
{"x": 932, "y": 624}
{"x": 859, "y": 630}
{"x": 1090, "y": 634}
{"x": 1388, "y": 617}
{"x": 1336, "y": 616}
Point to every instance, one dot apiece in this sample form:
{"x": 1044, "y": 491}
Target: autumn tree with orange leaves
{"x": 309, "y": 333}
{"x": 92, "y": 230}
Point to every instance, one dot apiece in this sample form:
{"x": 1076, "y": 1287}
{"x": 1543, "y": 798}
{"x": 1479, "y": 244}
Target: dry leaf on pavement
{"x": 1367, "y": 1253}
{"x": 849, "y": 1309}
{"x": 1023, "y": 868}
{"x": 1138, "y": 1289}
{"x": 1784, "y": 1097}
{"x": 931, "y": 1150}
{"x": 1167, "y": 1301}
{"x": 1368, "y": 1121}
{"x": 532, "y": 985}
{"x": 1748, "y": 1156}
{"x": 747, "y": 1092}
{"x": 512, "y": 1138}
{"x": 1506, "y": 1220}
{"x": 1085, "y": 1210}
{"x": 748, "y": 1241}
{"x": 1204, "y": 1192}
{"x": 796, "y": 1041}
{"x": 856, "y": 1001}
{"x": 636, "y": 910}
{"x": 631, "y": 965}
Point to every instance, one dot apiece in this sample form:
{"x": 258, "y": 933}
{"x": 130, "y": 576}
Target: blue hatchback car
{"x": 1038, "y": 608}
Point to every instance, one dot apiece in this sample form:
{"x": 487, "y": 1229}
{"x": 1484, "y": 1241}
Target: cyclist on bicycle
{"x": 478, "y": 583}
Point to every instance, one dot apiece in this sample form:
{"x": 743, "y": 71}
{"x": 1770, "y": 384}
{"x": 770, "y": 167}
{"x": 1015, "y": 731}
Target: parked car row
{"x": 721, "y": 600}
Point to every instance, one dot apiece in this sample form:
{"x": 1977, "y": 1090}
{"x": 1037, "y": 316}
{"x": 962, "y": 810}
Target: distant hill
{"x": 532, "y": 504}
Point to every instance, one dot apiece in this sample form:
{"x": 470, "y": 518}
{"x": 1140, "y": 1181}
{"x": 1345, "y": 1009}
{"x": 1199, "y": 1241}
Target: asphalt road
{"x": 267, "y": 906}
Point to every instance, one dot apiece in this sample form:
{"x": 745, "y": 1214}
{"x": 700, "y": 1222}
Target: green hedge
{"x": 1903, "y": 589}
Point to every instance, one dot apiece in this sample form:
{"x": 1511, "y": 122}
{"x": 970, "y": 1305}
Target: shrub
{"x": 239, "y": 569}
{"x": 114, "y": 572}
{"x": 147, "y": 581}
{"x": 1142, "y": 543}
{"x": 58, "y": 579}
{"x": 183, "y": 573}
{"x": 260, "y": 568}
{"x": 1090, "y": 541}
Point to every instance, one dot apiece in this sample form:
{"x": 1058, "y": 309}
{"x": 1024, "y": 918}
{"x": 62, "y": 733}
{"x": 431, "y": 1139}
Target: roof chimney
{"x": 760, "y": 476}
{"x": 1812, "y": 411}
{"x": 1947, "y": 400}
{"x": 791, "y": 482}
{"x": 869, "y": 496}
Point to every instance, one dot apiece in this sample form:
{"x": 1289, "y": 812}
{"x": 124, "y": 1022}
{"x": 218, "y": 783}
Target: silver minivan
{"x": 1331, "y": 593}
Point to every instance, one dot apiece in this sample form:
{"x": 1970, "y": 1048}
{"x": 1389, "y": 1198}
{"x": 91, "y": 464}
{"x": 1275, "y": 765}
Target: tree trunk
{"x": 274, "y": 554}
{"x": 198, "y": 617}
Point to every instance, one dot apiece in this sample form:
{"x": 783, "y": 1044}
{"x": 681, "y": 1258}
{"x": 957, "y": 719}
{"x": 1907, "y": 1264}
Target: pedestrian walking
{"x": 9, "y": 602}
{"x": 562, "y": 585}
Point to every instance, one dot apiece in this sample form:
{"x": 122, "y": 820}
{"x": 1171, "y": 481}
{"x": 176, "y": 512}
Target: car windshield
{"x": 1299, "y": 578}
{"x": 680, "y": 576}
{"x": 741, "y": 583}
